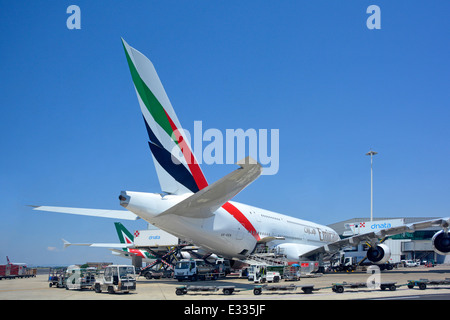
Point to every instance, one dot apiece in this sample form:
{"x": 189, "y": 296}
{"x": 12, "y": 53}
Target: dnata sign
{"x": 376, "y": 226}
{"x": 370, "y": 226}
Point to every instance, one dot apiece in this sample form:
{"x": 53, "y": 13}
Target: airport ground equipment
{"x": 339, "y": 287}
{"x": 263, "y": 255}
{"x": 308, "y": 288}
{"x": 410, "y": 263}
{"x": 226, "y": 290}
{"x": 116, "y": 279}
{"x": 262, "y": 273}
{"x": 292, "y": 273}
{"x": 267, "y": 258}
{"x": 197, "y": 269}
{"x": 77, "y": 278}
{"x": 392, "y": 286}
{"x": 423, "y": 283}
{"x": 158, "y": 273}
{"x": 164, "y": 263}
{"x": 56, "y": 277}
{"x": 157, "y": 270}
{"x": 223, "y": 265}
{"x": 16, "y": 271}
{"x": 295, "y": 271}
{"x": 350, "y": 264}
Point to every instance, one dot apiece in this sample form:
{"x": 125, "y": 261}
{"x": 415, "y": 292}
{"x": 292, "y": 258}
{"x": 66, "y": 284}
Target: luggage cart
{"x": 423, "y": 283}
{"x": 308, "y": 288}
{"x": 339, "y": 287}
{"x": 226, "y": 290}
{"x": 56, "y": 277}
{"x": 77, "y": 278}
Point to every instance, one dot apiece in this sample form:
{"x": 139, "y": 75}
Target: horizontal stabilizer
{"x": 113, "y": 214}
{"x": 98, "y": 245}
{"x": 203, "y": 203}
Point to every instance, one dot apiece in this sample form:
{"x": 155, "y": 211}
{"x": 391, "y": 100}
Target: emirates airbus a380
{"x": 202, "y": 213}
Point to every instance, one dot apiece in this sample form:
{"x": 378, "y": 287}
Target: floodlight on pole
{"x": 371, "y": 153}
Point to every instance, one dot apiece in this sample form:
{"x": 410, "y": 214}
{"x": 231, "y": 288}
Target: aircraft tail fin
{"x": 178, "y": 170}
{"x": 125, "y": 236}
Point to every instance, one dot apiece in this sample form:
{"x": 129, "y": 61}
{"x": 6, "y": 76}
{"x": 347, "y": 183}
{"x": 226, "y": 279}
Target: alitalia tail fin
{"x": 125, "y": 236}
{"x": 178, "y": 170}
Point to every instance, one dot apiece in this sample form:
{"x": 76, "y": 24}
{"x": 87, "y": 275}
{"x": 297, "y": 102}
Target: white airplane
{"x": 127, "y": 247}
{"x": 202, "y": 213}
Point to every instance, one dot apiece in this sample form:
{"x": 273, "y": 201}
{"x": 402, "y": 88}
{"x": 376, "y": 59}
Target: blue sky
{"x": 72, "y": 132}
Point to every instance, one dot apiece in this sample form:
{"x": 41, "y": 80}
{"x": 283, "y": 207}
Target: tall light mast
{"x": 371, "y": 153}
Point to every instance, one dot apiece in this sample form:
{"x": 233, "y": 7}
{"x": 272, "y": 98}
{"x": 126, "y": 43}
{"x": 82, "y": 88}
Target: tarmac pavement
{"x": 164, "y": 289}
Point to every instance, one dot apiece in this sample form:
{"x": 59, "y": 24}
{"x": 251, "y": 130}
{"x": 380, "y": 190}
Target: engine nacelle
{"x": 441, "y": 242}
{"x": 379, "y": 254}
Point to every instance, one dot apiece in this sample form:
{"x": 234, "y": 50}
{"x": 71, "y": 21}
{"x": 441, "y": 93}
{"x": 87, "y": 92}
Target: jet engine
{"x": 441, "y": 242}
{"x": 379, "y": 253}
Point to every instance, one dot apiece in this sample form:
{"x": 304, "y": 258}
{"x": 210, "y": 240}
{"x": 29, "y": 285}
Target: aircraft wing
{"x": 375, "y": 236}
{"x": 203, "y": 203}
{"x": 114, "y": 214}
{"x": 98, "y": 245}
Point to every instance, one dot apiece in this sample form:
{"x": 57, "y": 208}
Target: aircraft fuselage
{"x": 231, "y": 235}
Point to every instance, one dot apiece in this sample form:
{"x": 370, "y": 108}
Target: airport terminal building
{"x": 406, "y": 246}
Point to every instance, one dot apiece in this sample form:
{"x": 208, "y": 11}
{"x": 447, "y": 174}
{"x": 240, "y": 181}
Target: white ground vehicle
{"x": 344, "y": 263}
{"x": 117, "y": 279}
{"x": 410, "y": 263}
{"x": 197, "y": 269}
{"x": 260, "y": 274}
